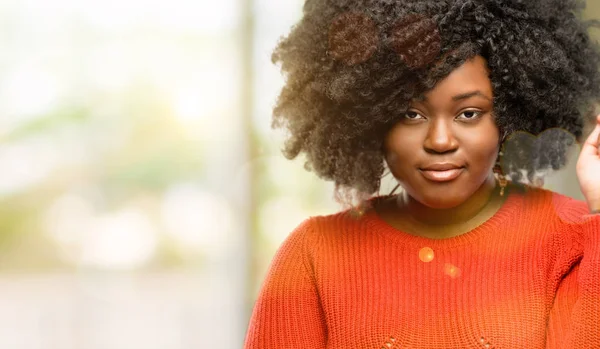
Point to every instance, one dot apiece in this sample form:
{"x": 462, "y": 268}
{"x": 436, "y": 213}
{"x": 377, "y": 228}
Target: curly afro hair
{"x": 351, "y": 68}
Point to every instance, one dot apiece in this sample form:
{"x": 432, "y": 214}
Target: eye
{"x": 470, "y": 115}
{"x": 412, "y": 115}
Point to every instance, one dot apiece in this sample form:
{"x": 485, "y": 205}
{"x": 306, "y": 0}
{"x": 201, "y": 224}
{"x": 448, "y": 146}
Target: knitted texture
{"x": 529, "y": 277}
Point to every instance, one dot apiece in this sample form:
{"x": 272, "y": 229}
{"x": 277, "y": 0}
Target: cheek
{"x": 401, "y": 164}
{"x": 484, "y": 153}
{"x": 400, "y": 150}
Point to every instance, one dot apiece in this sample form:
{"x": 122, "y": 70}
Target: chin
{"x": 447, "y": 201}
{"x": 442, "y": 203}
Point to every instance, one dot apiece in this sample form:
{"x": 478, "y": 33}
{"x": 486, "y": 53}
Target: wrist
{"x": 594, "y": 207}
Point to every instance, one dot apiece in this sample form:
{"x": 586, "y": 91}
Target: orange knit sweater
{"x": 529, "y": 277}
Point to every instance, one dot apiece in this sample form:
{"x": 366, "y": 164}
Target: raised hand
{"x": 588, "y": 168}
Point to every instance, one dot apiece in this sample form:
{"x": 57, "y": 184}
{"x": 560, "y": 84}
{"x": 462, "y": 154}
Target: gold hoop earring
{"x": 501, "y": 178}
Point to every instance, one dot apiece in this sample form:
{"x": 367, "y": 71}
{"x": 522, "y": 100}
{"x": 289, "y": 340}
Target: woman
{"x": 454, "y": 97}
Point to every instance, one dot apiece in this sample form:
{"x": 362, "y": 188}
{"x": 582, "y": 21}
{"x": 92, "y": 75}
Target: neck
{"x": 426, "y": 216}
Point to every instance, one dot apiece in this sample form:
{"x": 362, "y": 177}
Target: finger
{"x": 590, "y": 147}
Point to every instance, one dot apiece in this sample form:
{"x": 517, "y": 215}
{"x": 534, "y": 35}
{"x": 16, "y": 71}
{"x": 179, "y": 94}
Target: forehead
{"x": 472, "y": 75}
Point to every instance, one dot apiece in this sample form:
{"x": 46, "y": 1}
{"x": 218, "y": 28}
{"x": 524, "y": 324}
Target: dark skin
{"x": 452, "y": 123}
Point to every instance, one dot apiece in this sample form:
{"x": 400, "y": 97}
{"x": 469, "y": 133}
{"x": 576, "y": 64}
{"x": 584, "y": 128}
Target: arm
{"x": 560, "y": 317}
{"x": 586, "y": 311}
{"x": 287, "y": 313}
{"x": 583, "y": 327}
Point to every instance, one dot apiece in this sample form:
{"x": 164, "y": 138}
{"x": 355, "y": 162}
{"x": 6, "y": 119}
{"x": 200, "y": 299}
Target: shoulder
{"x": 575, "y": 225}
{"x": 352, "y": 223}
{"x": 569, "y": 210}
{"x": 335, "y": 222}
{"x": 311, "y": 229}
{"x": 559, "y": 217}
{"x": 550, "y": 204}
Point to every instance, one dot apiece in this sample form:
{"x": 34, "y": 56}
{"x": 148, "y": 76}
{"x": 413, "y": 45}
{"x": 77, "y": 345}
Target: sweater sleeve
{"x": 583, "y": 229}
{"x": 288, "y": 313}
{"x": 559, "y": 320}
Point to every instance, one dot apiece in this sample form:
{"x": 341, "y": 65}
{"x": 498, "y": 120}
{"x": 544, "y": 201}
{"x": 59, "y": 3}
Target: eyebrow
{"x": 469, "y": 95}
{"x": 459, "y": 97}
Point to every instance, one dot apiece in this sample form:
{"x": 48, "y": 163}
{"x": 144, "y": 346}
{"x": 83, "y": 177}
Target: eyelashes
{"x": 354, "y": 38}
{"x": 476, "y": 114}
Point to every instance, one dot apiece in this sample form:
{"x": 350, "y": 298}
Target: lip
{"x": 441, "y": 166}
{"x": 442, "y": 176}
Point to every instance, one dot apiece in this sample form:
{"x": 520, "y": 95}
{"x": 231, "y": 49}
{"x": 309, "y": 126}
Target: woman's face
{"x": 452, "y": 126}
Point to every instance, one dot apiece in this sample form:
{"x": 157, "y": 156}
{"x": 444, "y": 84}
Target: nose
{"x": 440, "y": 137}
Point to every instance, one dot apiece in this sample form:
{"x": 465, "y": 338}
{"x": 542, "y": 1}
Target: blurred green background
{"x": 142, "y": 190}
